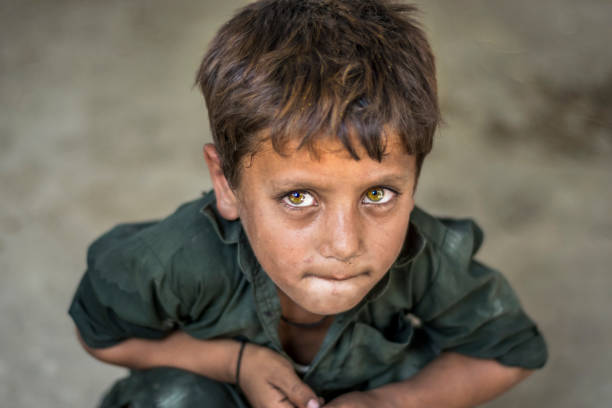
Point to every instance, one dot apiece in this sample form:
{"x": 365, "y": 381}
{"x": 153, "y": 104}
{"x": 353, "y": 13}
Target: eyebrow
{"x": 293, "y": 184}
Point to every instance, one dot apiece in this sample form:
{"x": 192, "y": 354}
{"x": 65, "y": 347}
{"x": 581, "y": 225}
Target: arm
{"x": 266, "y": 378}
{"x": 450, "y": 381}
{"x": 215, "y": 359}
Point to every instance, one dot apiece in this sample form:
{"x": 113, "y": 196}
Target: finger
{"x": 285, "y": 402}
{"x": 300, "y": 394}
{"x": 280, "y": 400}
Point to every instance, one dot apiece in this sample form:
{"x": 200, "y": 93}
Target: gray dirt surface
{"x": 99, "y": 124}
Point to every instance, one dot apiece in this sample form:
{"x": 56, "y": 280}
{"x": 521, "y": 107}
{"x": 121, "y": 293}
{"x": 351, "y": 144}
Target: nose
{"x": 341, "y": 234}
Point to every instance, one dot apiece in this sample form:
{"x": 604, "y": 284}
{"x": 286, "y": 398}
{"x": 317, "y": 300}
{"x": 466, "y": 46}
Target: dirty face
{"x": 325, "y": 227}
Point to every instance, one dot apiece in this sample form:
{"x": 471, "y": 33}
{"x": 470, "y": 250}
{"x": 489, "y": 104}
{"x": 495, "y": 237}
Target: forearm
{"x": 452, "y": 381}
{"x": 215, "y": 359}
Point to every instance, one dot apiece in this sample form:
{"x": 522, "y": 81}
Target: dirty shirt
{"x": 196, "y": 272}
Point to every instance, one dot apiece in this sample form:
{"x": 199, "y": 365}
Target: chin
{"x": 331, "y": 303}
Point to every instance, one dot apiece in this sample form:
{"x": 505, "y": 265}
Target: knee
{"x": 182, "y": 389}
{"x": 170, "y": 388}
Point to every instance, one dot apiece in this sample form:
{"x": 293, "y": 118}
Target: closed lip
{"x": 337, "y": 278}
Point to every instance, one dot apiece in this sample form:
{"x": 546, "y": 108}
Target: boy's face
{"x": 326, "y": 229}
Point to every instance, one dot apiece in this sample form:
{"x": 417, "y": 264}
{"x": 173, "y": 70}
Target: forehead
{"x": 328, "y": 161}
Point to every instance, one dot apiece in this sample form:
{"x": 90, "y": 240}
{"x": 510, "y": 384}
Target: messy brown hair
{"x": 306, "y": 69}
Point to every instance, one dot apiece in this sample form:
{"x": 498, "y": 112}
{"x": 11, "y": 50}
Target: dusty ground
{"x": 99, "y": 124}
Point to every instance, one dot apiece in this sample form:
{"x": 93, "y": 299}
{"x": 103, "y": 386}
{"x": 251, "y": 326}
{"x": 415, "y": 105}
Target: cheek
{"x": 277, "y": 246}
{"x": 388, "y": 250}
{"x": 387, "y": 241}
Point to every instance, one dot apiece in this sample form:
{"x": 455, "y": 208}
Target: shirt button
{"x": 414, "y": 320}
{"x": 168, "y": 324}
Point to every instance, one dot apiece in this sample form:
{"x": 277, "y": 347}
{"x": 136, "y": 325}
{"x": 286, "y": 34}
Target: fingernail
{"x": 313, "y": 404}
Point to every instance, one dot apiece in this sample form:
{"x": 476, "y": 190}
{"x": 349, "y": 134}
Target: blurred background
{"x": 99, "y": 124}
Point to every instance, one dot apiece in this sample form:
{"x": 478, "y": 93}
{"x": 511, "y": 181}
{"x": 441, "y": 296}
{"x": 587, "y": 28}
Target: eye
{"x": 299, "y": 199}
{"x": 378, "y": 195}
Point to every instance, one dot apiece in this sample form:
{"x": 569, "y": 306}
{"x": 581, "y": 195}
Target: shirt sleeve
{"x": 127, "y": 292}
{"x": 469, "y": 308}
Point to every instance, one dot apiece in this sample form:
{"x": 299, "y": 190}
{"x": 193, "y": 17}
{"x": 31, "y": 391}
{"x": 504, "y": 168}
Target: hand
{"x": 268, "y": 380}
{"x": 357, "y": 399}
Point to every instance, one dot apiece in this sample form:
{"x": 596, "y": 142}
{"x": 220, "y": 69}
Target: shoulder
{"x": 188, "y": 245}
{"x": 446, "y": 244}
{"x": 457, "y": 239}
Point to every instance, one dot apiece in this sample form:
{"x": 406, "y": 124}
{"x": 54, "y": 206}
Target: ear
{"x": 227, "y": 202}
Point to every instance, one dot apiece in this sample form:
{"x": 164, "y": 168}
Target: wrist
{"x": 239, "y": 357}
{"x": 215, "y": 359}
{"x": 395, "y": 395}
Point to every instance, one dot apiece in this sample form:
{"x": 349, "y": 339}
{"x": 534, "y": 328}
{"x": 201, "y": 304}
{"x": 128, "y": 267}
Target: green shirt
{"x": 196, "y": 271}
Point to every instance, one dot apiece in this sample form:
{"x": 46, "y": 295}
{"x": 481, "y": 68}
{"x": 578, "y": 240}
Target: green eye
{"x": 299, "y": 199}
{"x": 379, "y": 196}
{"x": 375, "y": 194}
{"x": 296, "y": 198}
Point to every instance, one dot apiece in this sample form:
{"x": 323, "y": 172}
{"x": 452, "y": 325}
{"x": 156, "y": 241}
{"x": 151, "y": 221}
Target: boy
{"x": 308, "y": 276}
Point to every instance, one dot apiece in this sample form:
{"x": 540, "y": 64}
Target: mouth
{"x": 336, "y": 277}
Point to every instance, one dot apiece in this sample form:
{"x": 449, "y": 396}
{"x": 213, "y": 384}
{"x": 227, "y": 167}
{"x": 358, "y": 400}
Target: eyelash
{"x": 282, "y": 198}
{"x": 394, "y": 195}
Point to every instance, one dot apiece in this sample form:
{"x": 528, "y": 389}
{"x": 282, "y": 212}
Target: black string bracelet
{"x": 242, "y": 345}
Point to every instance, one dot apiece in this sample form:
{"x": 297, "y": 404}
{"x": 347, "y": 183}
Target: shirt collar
{"x": 229, "y": 232}
{"x": 414, "y": 244}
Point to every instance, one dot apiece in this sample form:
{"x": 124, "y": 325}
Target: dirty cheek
{"x": 308, "y": 260}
